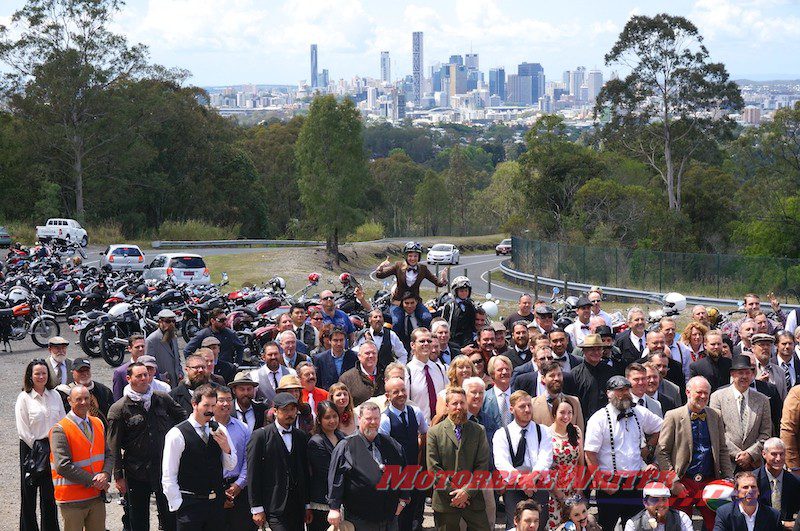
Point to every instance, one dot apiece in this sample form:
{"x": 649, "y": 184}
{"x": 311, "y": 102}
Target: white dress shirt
{"x": 174, "y": 444}
{"x": 417, "y": 385}
{"x": 792, "y": 376}
{"x": 36, "y": 414}
{"x": 398, "y": 349}
{"x": 637, "y": 342}
{"x": 538, "y": 455}
{"x": 628, "y": 439}
{"x": 502, "y": 396}
{"x": 680, "y": 352}
{"x": 606, "y": 317}
{"x": 577, "y": 331}
{"x": 249, "y": 415}
{"x": 386, "y": 425}
{"x": 685, "y": 523}
{"x": 411, "y": 275}
{"x": 749, "y": 520}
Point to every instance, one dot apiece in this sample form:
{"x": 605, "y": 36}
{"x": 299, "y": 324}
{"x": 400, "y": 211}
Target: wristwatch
{"x": 403, "y": 503}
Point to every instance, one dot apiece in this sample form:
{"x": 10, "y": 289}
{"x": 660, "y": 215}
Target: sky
{"x": 267, "y": 41}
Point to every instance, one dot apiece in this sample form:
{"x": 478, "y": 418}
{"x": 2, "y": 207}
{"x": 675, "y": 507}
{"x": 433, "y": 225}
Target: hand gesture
{"x": 774, "y": 302}
{"x": 222, "y": 440}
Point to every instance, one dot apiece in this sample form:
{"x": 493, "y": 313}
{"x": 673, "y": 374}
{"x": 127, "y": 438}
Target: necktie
{"x": 458, "y": 433}
{"x": 741, "y": 413}
{"x": 59, "y": 373}
{"x": 86, "y": 430}
{"x": 204, "y": 434}
{"x": 431, "y": 391}
{"x": 641, "y": 344}
{"x": 522, "y": 447}
{"x": 505, "y": 411}
{"x": 788, "y": 376}
{"x": 403, "y": 419}
{"x": 553, "y": 401}
{"x": 775, "y": 497}
{"x": 275, "y": 380}
{"x": 409, "y": 326}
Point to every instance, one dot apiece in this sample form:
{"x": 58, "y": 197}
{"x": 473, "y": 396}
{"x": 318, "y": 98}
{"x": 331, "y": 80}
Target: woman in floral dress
{"x": 567, "y": 455}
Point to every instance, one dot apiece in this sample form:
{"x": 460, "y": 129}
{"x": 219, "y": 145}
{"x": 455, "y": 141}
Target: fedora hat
{"x": 290, "y": 381}
{"x": 242, "y": 378}
{"x": 592, "y": 340}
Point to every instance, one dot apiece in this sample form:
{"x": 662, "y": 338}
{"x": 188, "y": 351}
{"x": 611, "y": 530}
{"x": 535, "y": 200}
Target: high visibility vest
{"x": 89, "y": 455}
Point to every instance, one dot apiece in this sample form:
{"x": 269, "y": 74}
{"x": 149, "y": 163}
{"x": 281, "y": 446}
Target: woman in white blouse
{"x": 38, "y": 408}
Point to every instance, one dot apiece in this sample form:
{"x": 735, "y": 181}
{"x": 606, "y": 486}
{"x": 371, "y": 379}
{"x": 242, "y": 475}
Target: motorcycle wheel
{"x": 44, "y": 329}
{"x": 90, "y": 341}
{"x": 113, "y": 353}
{"x": 189, "y": 329}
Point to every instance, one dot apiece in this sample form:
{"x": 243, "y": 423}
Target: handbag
{"x": 37, "y": 464}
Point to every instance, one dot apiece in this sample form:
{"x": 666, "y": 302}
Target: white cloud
{"x": 745, "y": 21}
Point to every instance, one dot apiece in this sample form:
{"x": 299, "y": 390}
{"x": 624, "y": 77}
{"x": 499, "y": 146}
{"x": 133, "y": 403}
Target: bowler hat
{"x": 741, "y": 362}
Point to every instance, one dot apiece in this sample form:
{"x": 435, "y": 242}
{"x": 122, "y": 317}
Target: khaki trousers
{"x": 87, "y": 515}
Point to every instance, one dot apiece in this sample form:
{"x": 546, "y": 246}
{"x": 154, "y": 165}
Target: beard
{"x": 370, "y": 433}
{"x": 621, "y": 404}
{"x": 458, "y": 417}
{"x": 59, "y": 357}
{"x": 168, "y": 335}
{"x": 555, "y": 388}
{"x": 198, "y": 380}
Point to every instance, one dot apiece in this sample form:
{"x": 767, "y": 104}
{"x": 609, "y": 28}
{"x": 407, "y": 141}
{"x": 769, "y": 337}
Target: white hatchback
{"x": 443, "y": 253}
{"x": 123, "y": 256}
{"x": 182, "y": 268}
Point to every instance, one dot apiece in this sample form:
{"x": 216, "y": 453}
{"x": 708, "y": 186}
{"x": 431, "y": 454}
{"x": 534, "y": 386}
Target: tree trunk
{"x": 335, "y": 247}
{"x": 77, "y": 167}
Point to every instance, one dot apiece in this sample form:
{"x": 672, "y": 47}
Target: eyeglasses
{"x": 326, "y": 299}
{"x": 197, "y": 368}
{"x": 316, "y": 318}
{"x": 224, "y": 400}
{"x": 221, "y": 319}
{"x": 594, "y": 302}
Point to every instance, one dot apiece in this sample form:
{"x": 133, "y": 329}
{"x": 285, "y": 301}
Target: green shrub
{"x": 370, "y": 230}
{"x": 21, "y": 231}
{"x": 192, "y": 229}
{"x": 105, "y": 233}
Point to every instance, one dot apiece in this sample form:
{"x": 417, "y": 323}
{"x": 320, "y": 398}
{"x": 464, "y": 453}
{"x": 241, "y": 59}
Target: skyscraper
{"x": 519, "y": 89}
{"x": 313, "y": 66}
{"x": 456, "y": 60}
{"x": 536, "y": 73}
{"x": 323, "y": 79}
{"x": 458, "y": 79}
{"x": 497, "y": 82}
{"x": 417, "y": 66}
{"x": 576, "y": 79}
{"x": 386, "y": 68}
{"x": 471, "y": 61}
{"x": 595, "y": 83}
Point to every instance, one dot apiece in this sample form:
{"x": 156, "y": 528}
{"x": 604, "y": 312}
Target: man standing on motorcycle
{"x": 409, "y": 275}
{"x": 231, "y": 347}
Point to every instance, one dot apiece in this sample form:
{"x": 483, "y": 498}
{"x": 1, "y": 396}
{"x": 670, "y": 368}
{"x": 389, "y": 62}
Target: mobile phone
{"x": 213, "y": 424}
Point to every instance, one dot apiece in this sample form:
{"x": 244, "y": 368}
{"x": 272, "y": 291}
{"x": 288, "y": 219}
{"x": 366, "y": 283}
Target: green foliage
{"x": 381, "y": 139}
{"x": 608, "y": 210}
{"x": 663, "y": 112}
{"x": 776, "y": 235}
{"x": 194, "y": 229}
{"x": 367, "y": 231}
{"x": 494, "y": 206}
{"x": 395, "y": 177}
{"x": 432, "y": 203}
{"x": 49, "y": 204}
{"x": 333, "y": 171}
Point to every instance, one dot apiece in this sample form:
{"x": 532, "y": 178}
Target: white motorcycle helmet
{"x": 675, "y": 300}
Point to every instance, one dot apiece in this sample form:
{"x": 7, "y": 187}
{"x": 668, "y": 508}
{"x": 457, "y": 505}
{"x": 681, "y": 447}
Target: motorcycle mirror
{"x": 488, "y": 296}
{"x": 224, "y": 276}
{"x": 556, "y": 291}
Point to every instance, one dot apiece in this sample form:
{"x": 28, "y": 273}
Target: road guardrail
{"x": 182, "y": 244}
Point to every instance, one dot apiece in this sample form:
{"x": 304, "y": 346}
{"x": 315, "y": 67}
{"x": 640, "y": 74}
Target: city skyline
{"x": 246, "y": 42}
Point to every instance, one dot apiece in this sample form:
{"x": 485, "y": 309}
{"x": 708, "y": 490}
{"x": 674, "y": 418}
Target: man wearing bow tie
{"x": 390, "y": 348}
{"x": 278, "y": 470}
{"x": 618, "y": 439}
{"x": 704, "y": 459}
{"x": 580, "y": 328}
{"x": 410, "y": 274}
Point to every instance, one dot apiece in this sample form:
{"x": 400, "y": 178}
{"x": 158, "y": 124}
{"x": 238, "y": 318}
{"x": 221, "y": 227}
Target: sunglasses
{"x": 221, "y": 319}
{"x": 316, "y": 318}
{"x": 326, "y": 299}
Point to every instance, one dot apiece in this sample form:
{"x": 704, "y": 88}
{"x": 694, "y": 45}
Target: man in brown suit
{"x": 692, "y": 444}
{"x": 409, "y": 274}
{"x": 545, "y": 404}
{"x": 747, "y": 416}
{"x": 364, "y": 380}
{"x": 790, "y": 427}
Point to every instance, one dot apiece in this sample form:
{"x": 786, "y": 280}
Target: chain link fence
{"x": 709, "y": 275}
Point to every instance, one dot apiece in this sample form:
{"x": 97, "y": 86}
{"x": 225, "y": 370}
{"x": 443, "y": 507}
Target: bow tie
{"x": 286, "y": 432}
{"x": 414, "y": 269}
{"x": 377, "y": 334}
{"x": 585, "y": 327}
{"x": 699, "y": 416}
{"x": 624, "y": 414}
{"x": 551, "y": 399}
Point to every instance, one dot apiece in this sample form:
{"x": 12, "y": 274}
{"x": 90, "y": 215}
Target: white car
{"x": 443, "y": 253}
{"x": 182, "y": 268}
{"x": 65, "y": 230}
{"x": 123, "y": 256}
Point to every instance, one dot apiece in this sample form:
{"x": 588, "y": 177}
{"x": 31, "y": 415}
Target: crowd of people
{"x": 521, "y": 408}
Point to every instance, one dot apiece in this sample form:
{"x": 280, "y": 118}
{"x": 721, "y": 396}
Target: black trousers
{"x": 410, "y": 519}
{"x": 290, "y": 520}
{"x": 622, "y": 505}
{"x": 47, "y": 500}
{"x": 196, "y": 514}
{"x": 138, "y": 506}
{"x": 320, "y": 521}
{"x": 239, "y": 517}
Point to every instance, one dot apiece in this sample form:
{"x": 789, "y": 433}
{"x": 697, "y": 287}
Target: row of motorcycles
{"x": 43, "y": 287}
